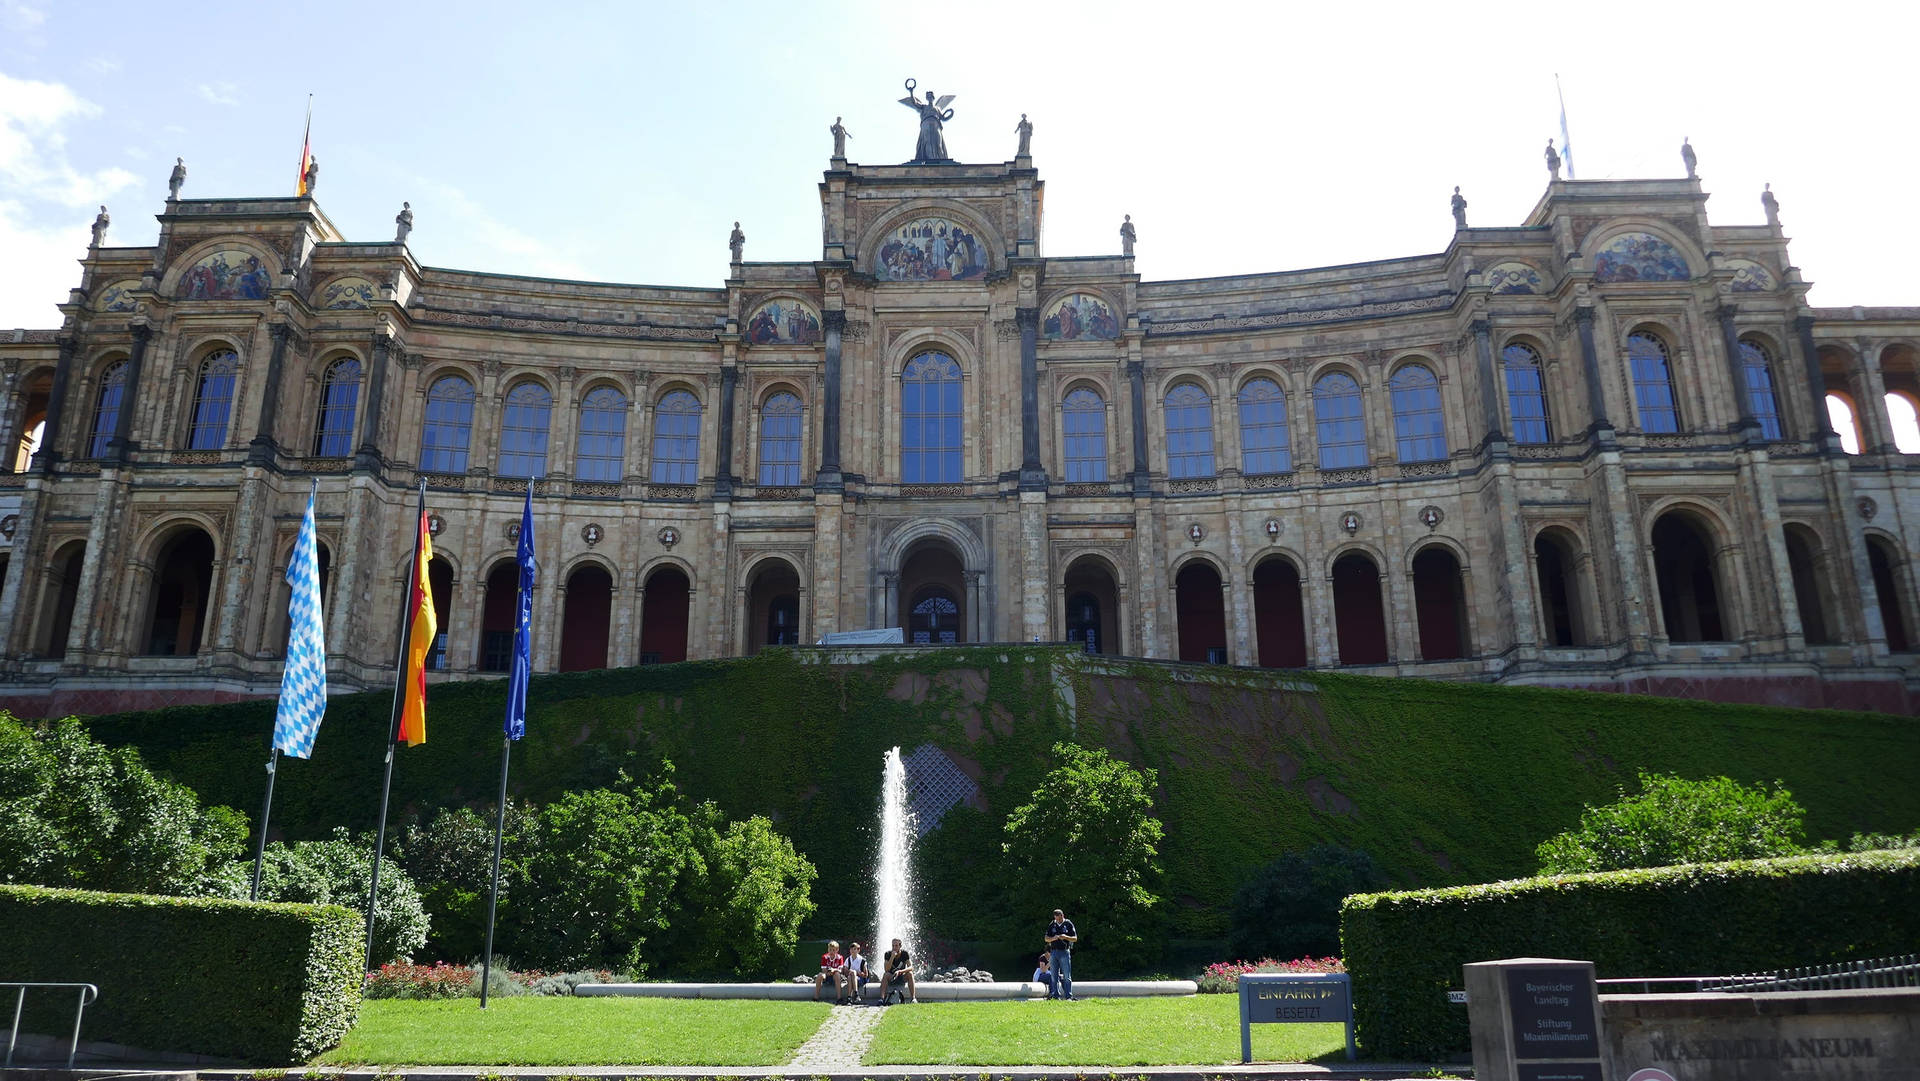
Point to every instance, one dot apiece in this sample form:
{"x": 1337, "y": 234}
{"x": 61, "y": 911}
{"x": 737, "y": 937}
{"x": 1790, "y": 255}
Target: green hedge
{"x": 1405, "y": 950}
{"x": 269, "y": 984}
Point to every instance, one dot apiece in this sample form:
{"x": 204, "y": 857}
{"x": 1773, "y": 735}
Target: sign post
{"x": 1304, "y": 999}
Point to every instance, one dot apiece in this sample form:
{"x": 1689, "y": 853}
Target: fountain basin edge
{"x": 928, "y": 992}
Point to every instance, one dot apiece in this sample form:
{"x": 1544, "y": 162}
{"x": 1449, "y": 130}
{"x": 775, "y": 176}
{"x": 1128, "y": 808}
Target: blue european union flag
{"x": 522, "y": 627}
{"x": 303, "y": 683}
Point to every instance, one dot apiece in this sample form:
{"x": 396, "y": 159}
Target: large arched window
{"x": 213, "y": 401}
{"x": 106, "y": 408}
{"x": 1263, "y": 429}
{"x": 1904, "y": 417}
{"x": 523, "y": 431}
{"x": 1652, "y": 383}
{"x": 676, "y": 439}
{"x": 1084, "y": 416}
{"x": 448, "y": 429}
{"x": 1418, "y": 429}
{"x": 1526, "y": 394}
{"x": 930, "y": 420}
{"x": 780, "y": 441}
{"x": 1756, "y": 368}
{"x": 1841, "y": 415}
{"x": 601, "y": 452}
{"x": 1189, "y": 432}
{"x": 1337, "y": 423}
{"x": 339, "y": 397}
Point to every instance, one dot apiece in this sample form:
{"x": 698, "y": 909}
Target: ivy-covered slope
{"x": 1442, "y": 782}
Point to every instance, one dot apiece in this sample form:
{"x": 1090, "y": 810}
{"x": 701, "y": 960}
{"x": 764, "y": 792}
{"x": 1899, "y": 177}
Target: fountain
{"x": 893, "y": 883}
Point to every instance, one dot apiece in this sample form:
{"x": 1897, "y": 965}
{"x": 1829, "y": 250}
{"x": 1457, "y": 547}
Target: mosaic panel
{"x": 930, "y": 249}
{"x": 1080, "y": 317}
{"x": 1750, "y": 277}
{"x": 117, "y": 297}
{"x": 784, "y": 322}
{"x": 1513, "y": 279}
{"x": 233, "y": 274}
{"x": 1639, "y": 257}
{"x": 347, "y": 293}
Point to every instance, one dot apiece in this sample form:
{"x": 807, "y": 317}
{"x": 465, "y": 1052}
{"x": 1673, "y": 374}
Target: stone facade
{"x": 1537, "y": 456}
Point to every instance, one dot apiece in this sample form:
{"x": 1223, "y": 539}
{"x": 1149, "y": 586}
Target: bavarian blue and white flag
{"x": 522, "y": 627}
{"x": 303, "y": 685}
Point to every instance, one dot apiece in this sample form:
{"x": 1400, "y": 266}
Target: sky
{"x": 620, "y": 141}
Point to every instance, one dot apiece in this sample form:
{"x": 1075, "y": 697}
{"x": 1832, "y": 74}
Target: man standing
{"x": 1061, "y": 935}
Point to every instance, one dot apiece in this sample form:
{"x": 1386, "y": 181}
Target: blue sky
{"x": 621, "y": 141}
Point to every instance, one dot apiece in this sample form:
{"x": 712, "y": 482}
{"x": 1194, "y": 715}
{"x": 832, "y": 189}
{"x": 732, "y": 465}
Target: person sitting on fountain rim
{"x": 1061, "y": 935}
{"x": 856, "y": 974}
{"x": 832, "y": 967}
{"x": 1044, "y": 973}
{"x": 896, "y": 967}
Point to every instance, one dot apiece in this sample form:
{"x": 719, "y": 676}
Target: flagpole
{"x": 516, "y": 723}
{"x": 393, "y": 723}
{"x": 493, "y": 894}
{"x": 266, "y": 812}
{"x": 1566, "y": 137}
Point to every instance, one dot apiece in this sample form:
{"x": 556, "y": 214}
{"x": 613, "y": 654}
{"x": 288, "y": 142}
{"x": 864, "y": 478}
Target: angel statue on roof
{"x": 932, "y": 145}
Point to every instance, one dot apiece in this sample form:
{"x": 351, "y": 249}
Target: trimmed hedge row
{"x": 268, "y": 983}
{"x": 1405, "y": 950}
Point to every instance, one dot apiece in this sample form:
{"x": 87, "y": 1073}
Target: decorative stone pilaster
{"x": 1823, "y": 433}
{"x": 1745, "y": 426}
{"x": 1601, "y": 429}
{"x": 1489, "y": 381}
{"x": 723, "y": 478}
{"x": 263, "y": 447}
{"x": 1033, "y": 475}
{"x": 1137, "y": 391}
{"x": 56, "y": 406}
{"x": 367, "y": 456}
{"x": 828, "y": 478}
{"x": 120, "y": 447}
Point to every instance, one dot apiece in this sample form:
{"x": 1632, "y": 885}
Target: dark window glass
{"x": 1652, "y": 383}
{"x": 1263, "y": 428}
{"x": 106, "y": 412}
{"x": 1418, "y": 430}
{"x": 676, "y": 439}
{"x": 1189, "y": 432}
{"x": 935, "y": 620}
{"x": 213, "y": 401}
{"x": 339, "y": 395}
{"x": 930, "y": 420}
{"x": 1084, "y": 416}
{"x": 1756, "y": 365}
{"x": 1526, "y": 395}
{"x": 523, "y": 431}
{"x": 449, "y": 426}
{"x": 601, "y": 453}
{"x": 780, "y": 442}
{"x": 1337, "y": 422}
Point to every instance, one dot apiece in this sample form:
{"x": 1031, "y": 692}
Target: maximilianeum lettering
{"x": 1754, "y": 1048}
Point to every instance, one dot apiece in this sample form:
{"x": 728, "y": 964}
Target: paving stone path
{"x": 842, "y": 1039}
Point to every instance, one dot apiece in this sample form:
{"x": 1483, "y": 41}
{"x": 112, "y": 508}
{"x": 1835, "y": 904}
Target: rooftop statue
{"x": 404, "y": 223}
{"x": 1459, "y": 209}
{"x": 100, "y": 227}
{"x": 1025, "y": 130}
{"x": 1689, "y": 158}
{"x": 178, "y": 178}
{"x": 840, "y": 136}
{"x": 933, "y": 144}
{"x": 1553, "y": 160}
{"x": 736, "y": 241}
{"x": 1771, "y": 205}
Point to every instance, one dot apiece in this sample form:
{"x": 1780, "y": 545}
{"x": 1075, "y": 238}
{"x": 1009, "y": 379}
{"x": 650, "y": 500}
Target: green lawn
{"x": 542, "y": 1031}
{"x": 1204, "y": 1029}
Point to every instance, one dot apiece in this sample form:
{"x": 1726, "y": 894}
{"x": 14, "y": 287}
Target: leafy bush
{"x": 339, "y": 871}
{"x": 439, "y": 980}
{"x": 271, "y": 984}
{"x": 1405, "y": 949}
{"x": 1672, "y": 820}
{"x": 73, "y": 813}
{"x": 740, "y": 902}
{"x": 1087, "y": 840}
{"x": 1874, "y": 842}
{"x": 1291, "y": 907}
{"x": 1223, "y": 977}
{"x": 565, "y": 983}
{"x": 450, "y": 859}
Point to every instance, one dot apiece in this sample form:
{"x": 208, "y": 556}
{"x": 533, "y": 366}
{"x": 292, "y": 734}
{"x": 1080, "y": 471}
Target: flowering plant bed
{"x": 1223, "y": 977}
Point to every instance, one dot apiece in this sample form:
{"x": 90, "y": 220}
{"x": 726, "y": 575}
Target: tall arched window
{"x": 1418, "y": 429}
{"x": 1526, "y": 394}
{"x": 1841, "y": 415}
{"x": 1904, "y": 417}
{"x": 930, "y": 420}
{"x": 600, "y": 455}
{"x": 213, "y": 401}
{"x": 1189, "y": 432}
{"x": 1756, "y": 367}
{"x": 1341, "y": 431}
{"x": 448, "y": 430}
{"x": 1084, "y": 416}
{"x": 523, "y": 431}
{"x": 676, "y": 439}
{"x": 1263, "y": 429}
{"x": 780, "y": 441}
{"x": 339, "y": 397}
{"x": 1652, "y": 383}
{"x": 106, "y": 408}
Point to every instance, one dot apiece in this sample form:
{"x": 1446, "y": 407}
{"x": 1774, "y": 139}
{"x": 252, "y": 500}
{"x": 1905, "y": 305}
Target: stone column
{"x": 1489, "y": 380}
{"x": 56, "y": 407}
{"x": 1137, "y": 390}
{"x": 1150, "y": 588}
{"x": 1745, "y": 426}
{"x": 723, "y": 478}
{"x": 263, "y": 447}
{"x": 1238, "y": 597}
{"x": 367, "y": 456}
{"x": 1823, "y": 433}
{"x": 1034, "y": 570}
{"x": 1876, "y": 428}
{"x": 351, "y": 596}
{"x": 827, "y": 526}
{"x": 1033, "y": 475}
{"x": 1599, "y": 427}
{"x": 120, "y": 446}
{"x": 980, "y": 627}
{"x": 828, "y": 478}
{"x": 229, "y": 619}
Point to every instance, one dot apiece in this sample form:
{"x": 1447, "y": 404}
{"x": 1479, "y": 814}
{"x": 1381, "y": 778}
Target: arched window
{"x": 339, "y": 397}
{"x": 676, "y": 439}
{"x": 449, "y": 426}
{"x": 1526, "y": 394}
{"x": 780, "y": 441}
{"x": 106, "y": 408}
{"x": 1084, "y": 414}
{"x": 1840, "y": 414}
{"x": 930, "y": 420}
{"x": 601, "y": 452}
{"x": 1652, "y": 383}
{"x": 935, "y": 619}
{"x": 1756, "y": 367}
{"x": 1189, "y": 432}
{"x": 1904, "y": 418}
{"x": 1337, "y": 423}
{"x": 523, "y": 431}
{"x": 1263, "y": 429}
{"x": 213, "y": 401}
{"x": 1418, "y": 429}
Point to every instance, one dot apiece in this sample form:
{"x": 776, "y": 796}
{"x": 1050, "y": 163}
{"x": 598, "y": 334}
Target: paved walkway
{"x": 840, "y": 1041}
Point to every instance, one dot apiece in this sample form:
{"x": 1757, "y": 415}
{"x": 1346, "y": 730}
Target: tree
{"x": 740, "y": 903}
{"x": 1291, "y": 907}
{"x": 1673, "y": 820}
{"x": 75, "y": 813}
{"x": 339, "y": 871}
{"x": 451, "y": 859}
{"x": 1087, "y": 842}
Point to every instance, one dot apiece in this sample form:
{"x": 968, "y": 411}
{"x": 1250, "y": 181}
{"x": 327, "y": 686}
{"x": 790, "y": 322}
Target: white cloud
{"x": 220, "y": 93}
{"x": 39, "y": 268}
{"x": 485, "y": 237}
{"x": 103, "y": 65}
{"x": 23, "y": 16}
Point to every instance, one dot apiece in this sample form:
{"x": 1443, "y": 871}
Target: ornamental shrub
{"x": 450, "y": 860}
{"x": 740, "y": 901}
{"x": 1672, "y": 820}
{"x": 1291, "y": 907}
{"x": 1223, "y": 977}
{"x": 338, "y": 871}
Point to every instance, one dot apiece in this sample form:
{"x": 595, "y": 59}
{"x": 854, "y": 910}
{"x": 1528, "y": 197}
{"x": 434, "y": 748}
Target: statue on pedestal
{"x": 1771, "y": 205}
{"x": 1127, "y": 237}
{"x": 932, "y": 146}
{"x": 404, "y": 219}
{"x": 313, "y": 175}
{"x": 178, "y": 178}
{"x": 1459, "y": 209}
{"x": 100, "y": 227}
{"x": 840, "y": 135}
{"x": 1553, "y": 160}
{"x": 1026, "y": 138}
{"x": 1689, "y": 158}
{"x": 736, "y": 241}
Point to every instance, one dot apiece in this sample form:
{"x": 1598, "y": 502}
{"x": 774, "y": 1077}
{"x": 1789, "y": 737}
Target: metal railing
{"x": 87, "y": 993}
{"x": 1899, "y": 971}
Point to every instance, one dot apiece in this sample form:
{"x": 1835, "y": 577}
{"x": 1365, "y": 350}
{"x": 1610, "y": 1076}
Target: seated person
{"x": 832, "y": 968}
{"x": 856, "y": 975}
{"x": 896, "y": 973}
{"x": 1043, "y": 975}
